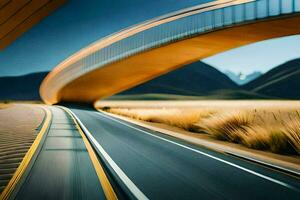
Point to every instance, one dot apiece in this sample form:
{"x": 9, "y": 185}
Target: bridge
{"x": 78, "y": 152}
{"x": 17, "y": 17}
{"x": 144, "y": 51}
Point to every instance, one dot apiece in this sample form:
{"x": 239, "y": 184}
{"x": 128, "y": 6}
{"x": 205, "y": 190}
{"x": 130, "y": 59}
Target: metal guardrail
{"x": 161, "y": 31}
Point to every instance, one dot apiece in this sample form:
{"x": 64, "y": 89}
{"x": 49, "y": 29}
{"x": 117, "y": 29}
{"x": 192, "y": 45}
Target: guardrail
{"x": 161, "y": 31}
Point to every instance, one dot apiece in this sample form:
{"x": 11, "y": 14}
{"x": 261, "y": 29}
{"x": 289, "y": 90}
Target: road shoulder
{"x": 284, "y": 163}
{"x": 63, "y": 168}
{"x": 24, "y": 135}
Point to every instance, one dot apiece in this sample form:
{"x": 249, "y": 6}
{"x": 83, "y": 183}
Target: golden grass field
{"x": 264, "y": 125}
{"x": 4, "y": 105}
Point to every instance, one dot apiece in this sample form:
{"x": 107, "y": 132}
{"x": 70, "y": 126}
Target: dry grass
{"x": 182, "y": 118}
{"x": 292, "y": 133}
{"x": 227, "y": 126}
{"x": 4, "y": 105}
{"x": 267, "y": 126}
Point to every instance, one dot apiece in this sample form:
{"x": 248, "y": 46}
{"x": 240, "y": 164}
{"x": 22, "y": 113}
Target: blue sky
{"x": 74, "y": 26}
{"x": 261, "y": 56}
{"x": 79, "y": 23}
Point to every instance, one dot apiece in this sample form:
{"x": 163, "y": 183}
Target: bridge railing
{"x": 161, "y": 31}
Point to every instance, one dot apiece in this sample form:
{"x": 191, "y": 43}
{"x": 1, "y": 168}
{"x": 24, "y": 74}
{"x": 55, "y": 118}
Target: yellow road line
{"x": 27, "y": 158}
{"x": 106, "y": 186}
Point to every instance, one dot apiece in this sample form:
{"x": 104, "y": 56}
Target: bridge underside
{"x": 124, "y": 74}
{"x": 17, "y": 17}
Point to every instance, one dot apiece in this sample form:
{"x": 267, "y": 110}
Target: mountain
{"x": 282, "y": 81}
{"x": 242, "y": 79}
{"x": 218, "y": 94}
{"x": 24, "y": 87}
{"x": 250, "y": 77}
{"x": 194, "y": 79}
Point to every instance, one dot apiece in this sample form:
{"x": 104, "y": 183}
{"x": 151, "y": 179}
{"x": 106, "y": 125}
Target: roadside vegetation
{"x": 4, "y": 105}
{"x": 274, "y": 128}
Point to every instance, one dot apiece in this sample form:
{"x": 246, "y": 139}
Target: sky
{"x": 78, "y": 23}
{"x": 260, "y": 56}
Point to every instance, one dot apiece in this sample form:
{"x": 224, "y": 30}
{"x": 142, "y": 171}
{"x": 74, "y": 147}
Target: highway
{"x": 155, "y": 166}
{"x": 62, "y": 168}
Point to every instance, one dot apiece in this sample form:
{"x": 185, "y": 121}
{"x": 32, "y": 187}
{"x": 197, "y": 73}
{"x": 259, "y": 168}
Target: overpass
{"x": 142, "y": 52}
{"x": 17, "y": 17}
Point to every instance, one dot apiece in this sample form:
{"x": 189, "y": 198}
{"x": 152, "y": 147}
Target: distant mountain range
{"x": 194, "y": 81}
{"x": 281, "y": 82}
{"x": 205, "y": 82}
{"x": 21, "y": 87}
{"x": 242, "y": 79}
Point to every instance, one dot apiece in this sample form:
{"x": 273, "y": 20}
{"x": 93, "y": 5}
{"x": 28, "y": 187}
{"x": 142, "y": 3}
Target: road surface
{"x": 156, "y": 166}
{"x": 63, "y": 168}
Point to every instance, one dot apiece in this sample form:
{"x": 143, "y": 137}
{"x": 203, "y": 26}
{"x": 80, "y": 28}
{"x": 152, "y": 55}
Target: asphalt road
{"x": 161, "y": 167}
{"x": 63, "y": 168}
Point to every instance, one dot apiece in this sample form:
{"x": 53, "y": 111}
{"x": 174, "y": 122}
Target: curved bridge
{"x": 142, "y": 52}
{"x": 17, "y": 17}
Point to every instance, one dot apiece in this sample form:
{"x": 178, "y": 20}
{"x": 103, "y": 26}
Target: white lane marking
{"x": 267, "y": 164}
{"x": 129, "y": 184}
{"x": 205, "y": 154}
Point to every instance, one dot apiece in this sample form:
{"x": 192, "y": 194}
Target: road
{"x": 63, "y": 168}
{"x": 156, "y": 166}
